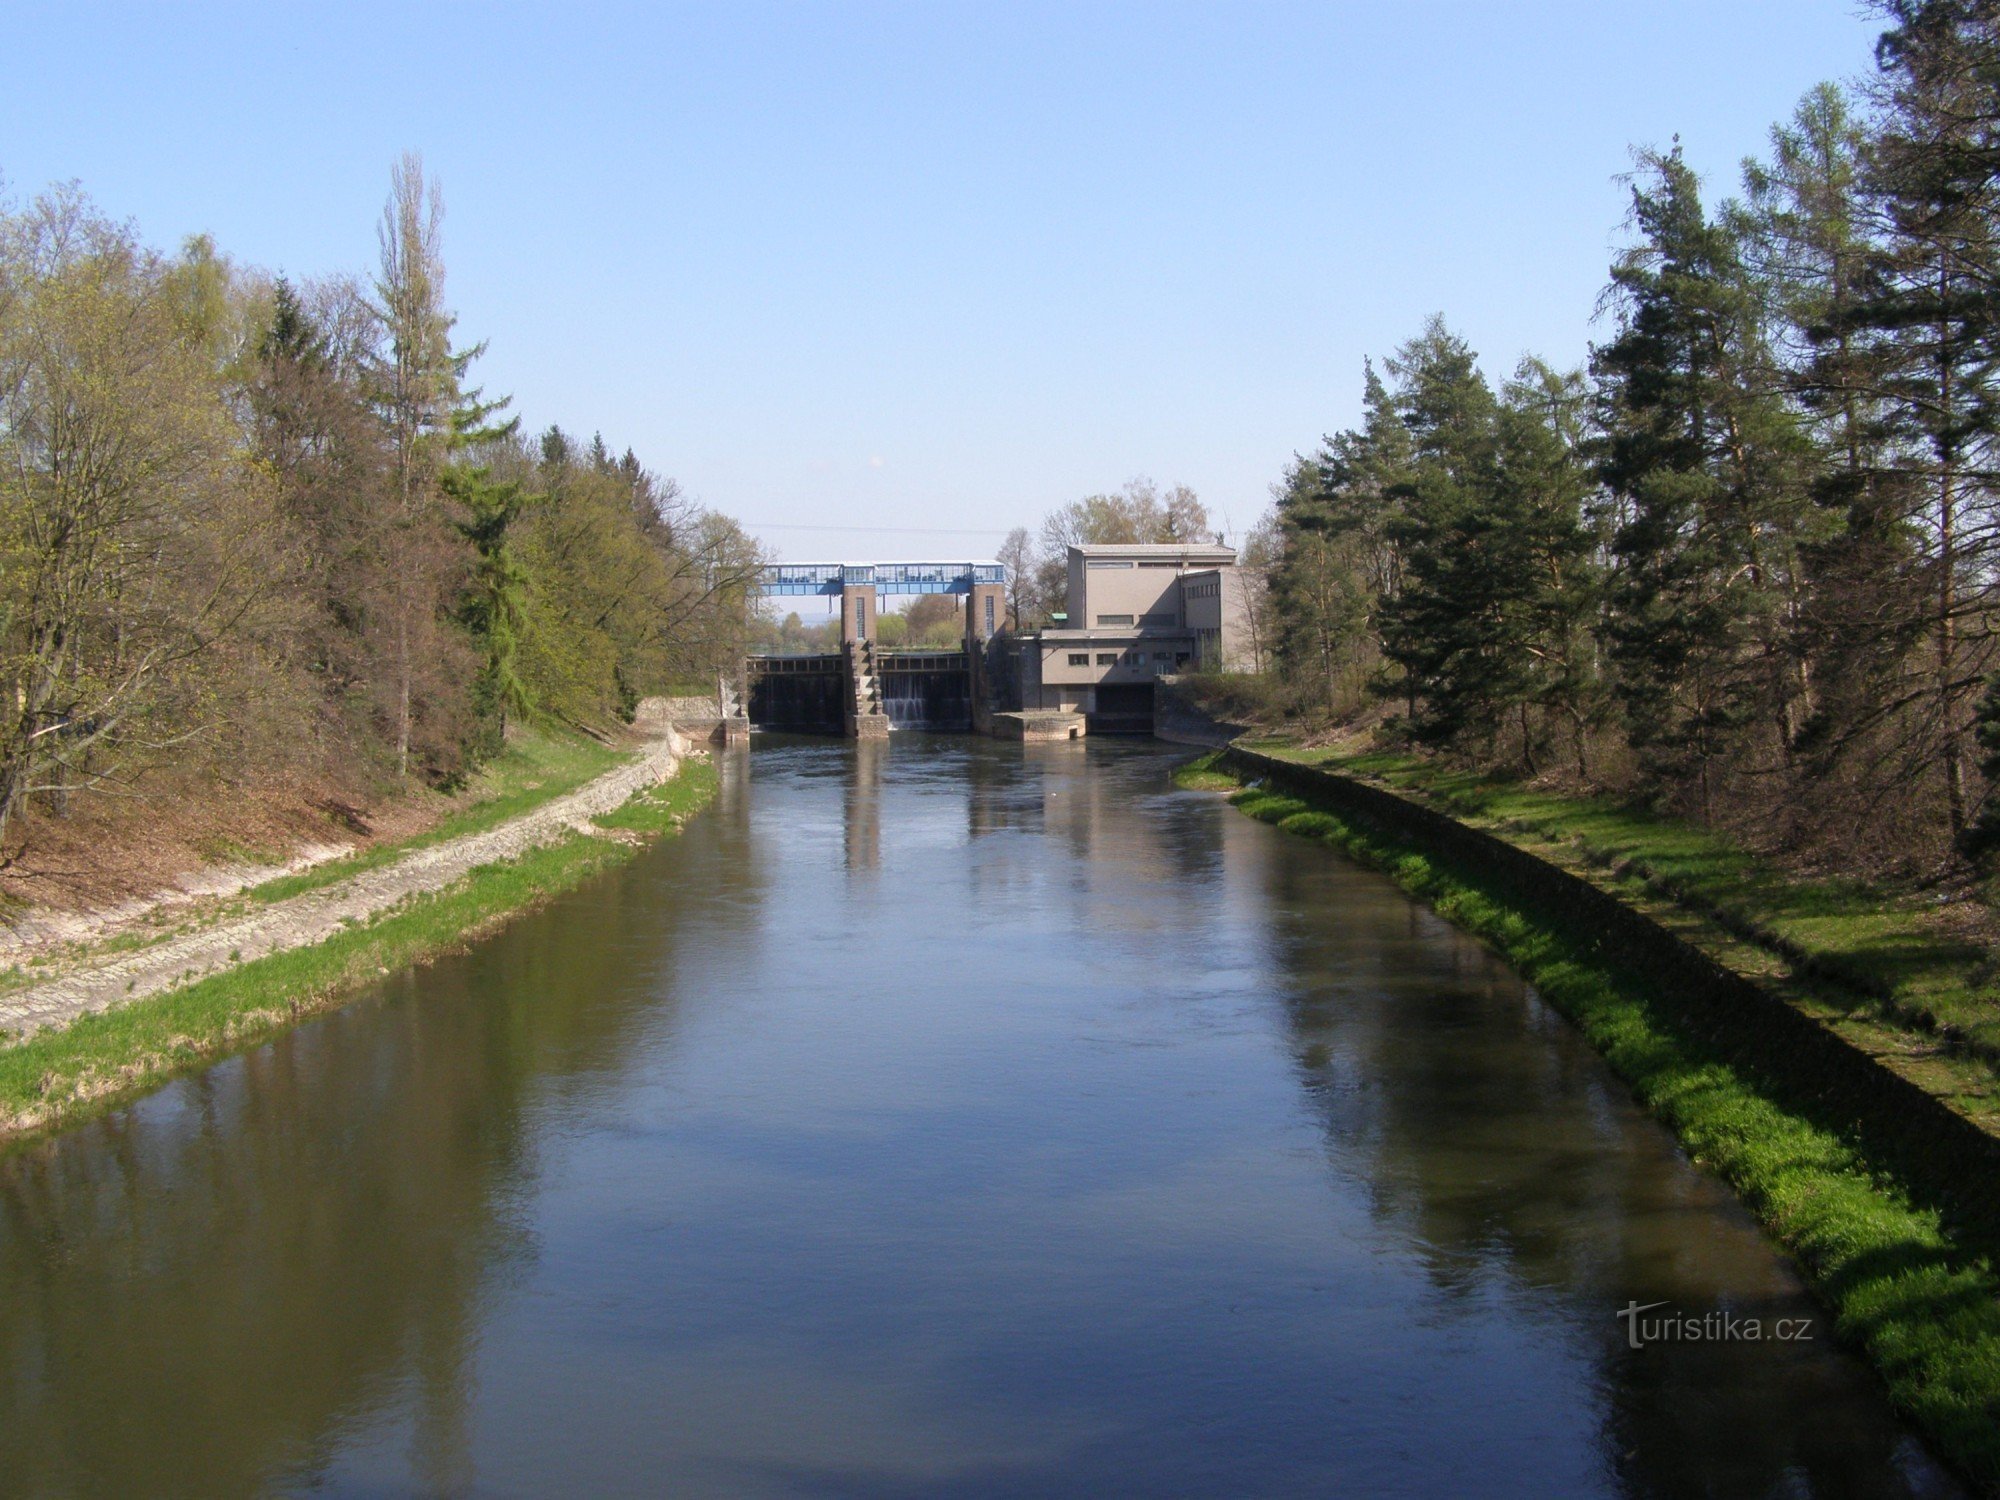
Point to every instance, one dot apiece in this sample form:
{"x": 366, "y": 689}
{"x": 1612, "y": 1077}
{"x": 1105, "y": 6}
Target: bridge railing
{"x": 885, "y": 578}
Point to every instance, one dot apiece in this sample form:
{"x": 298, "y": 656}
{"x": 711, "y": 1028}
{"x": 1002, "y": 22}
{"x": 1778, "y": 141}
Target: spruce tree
{"x": 492, "y": 605}
{"x": 1444, "y": 626}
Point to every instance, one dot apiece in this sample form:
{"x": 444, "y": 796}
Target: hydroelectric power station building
{"x": 1136, "y": 613}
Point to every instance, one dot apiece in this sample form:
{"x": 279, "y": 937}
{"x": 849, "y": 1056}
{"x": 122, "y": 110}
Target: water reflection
{"x": 932, "y": 1117}
{"x": 863, "y": 827}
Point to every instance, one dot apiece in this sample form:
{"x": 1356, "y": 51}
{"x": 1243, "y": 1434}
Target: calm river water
{"x": 931, "y": 1118}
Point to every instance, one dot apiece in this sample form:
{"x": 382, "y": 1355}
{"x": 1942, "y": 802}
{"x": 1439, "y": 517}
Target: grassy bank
{"x": 1924, "y": 1310}
{"x": 1896, "y": 952}
{"x": 55, "y": 1078}
{"x": 534, "y": 767}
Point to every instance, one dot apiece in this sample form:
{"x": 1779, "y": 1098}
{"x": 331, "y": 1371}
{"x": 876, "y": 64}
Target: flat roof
{"x": 1211, "y": 550}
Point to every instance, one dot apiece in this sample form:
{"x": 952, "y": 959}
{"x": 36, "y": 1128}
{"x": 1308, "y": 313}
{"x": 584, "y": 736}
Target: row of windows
{"x": 1132, "y": 658}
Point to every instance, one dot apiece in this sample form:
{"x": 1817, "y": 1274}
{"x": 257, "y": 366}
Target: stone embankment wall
{"x": 1894, "y": 1120}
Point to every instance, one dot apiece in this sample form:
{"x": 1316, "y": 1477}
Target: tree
{"x": 1708, "y": 465}
{"x": 935, "y": 618}
{"x": 1543, "y": 508}
{"x": 1263, "y": 547}
{"x": 1925, "y": 317}
{"x": 418, "y": 390}
{"x": 1340, "y": 563}
{"x": 494, "y": 602}
{"x": 1805, "y": 229}
{"x": 1139, "y": 513}
{"x": 1447, "y": 626}
{"x": 132, "y": 545}
{"x": 314, "y": 433}
{"x": 1017, "y": 555}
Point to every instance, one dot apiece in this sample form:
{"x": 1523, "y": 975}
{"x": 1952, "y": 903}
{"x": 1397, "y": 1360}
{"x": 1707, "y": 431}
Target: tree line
{"x": 1744, "y": 563}
{"x": 1037, "y": 561}
{"x": 253, "y": 528}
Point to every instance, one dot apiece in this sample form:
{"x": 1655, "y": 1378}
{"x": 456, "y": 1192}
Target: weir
{"x": 863, "y": 691}
{"x": 1136, "y": 617}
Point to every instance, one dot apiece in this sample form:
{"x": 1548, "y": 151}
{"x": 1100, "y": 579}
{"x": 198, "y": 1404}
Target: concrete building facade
{"x": 1136, "y": 613}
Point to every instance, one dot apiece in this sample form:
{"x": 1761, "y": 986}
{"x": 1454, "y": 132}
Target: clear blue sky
{"x": 929, "y": 266}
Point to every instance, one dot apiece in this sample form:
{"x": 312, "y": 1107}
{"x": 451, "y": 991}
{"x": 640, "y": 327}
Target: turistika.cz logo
{"x": 1717, "y": 1327}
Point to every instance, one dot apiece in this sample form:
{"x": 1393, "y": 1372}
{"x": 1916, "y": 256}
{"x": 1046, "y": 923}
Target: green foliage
{"x": 1706, "y": 461}
{"x": 624, "y": 592}
{"x": 263, "y": 533}
{"x": 1495, "y": 585}
{"x": 1340, "y": 562}
{"x": 493, "y": 602}
{"x": 1749, "y": 567}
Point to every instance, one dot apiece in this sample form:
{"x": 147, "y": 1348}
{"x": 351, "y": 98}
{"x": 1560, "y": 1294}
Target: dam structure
{"x": 862, "y": 691}
{"x": 1136, "y": 613}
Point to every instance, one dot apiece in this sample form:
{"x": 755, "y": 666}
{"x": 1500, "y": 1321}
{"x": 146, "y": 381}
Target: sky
{"x": 882, "y": 281}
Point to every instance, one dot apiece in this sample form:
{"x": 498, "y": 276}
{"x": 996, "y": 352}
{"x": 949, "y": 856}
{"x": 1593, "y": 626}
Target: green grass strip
{"x": 1893, "y": 949}
{"x": 57, "y": 1078}
{"x": 1923, "y": 1311}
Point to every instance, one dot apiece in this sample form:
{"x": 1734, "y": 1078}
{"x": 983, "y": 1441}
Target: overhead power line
{"x": 879, "y": 530}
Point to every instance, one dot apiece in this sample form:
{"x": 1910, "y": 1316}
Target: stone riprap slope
{"x": 314, "y": 916}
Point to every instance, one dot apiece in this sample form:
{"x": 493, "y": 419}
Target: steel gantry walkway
{"x": 885, "y": 578}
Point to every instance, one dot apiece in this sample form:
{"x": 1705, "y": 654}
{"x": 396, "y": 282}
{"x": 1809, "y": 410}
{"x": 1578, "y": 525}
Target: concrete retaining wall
{"x": 1930, "y": 1145}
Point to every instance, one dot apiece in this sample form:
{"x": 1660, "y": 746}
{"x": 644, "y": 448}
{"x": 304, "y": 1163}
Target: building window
{"x": 1114, "y": 619}
{"x": 989, "y": 614}
{"x": 1182, "y": 658}
{"x": 1102, "y": 563}
{"x": 1107, "y": 658}
{"x": 1079, "y": 658}
{"x": 1161, "y": 619}
{"x": 1163, "y": 656}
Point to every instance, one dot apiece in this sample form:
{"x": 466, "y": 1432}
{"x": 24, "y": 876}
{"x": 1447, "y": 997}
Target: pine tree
{"x": 1706, "y": 464}
{"x": 1928, "y": 316}
{"x": 1806, "y": 235}
{"x": 1490, "y": 622}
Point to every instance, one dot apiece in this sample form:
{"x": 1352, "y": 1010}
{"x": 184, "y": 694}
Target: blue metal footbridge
{"x": 885, "y": 578}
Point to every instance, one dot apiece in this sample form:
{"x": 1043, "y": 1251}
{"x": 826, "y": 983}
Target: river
{"x": 935, "y": 1117}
